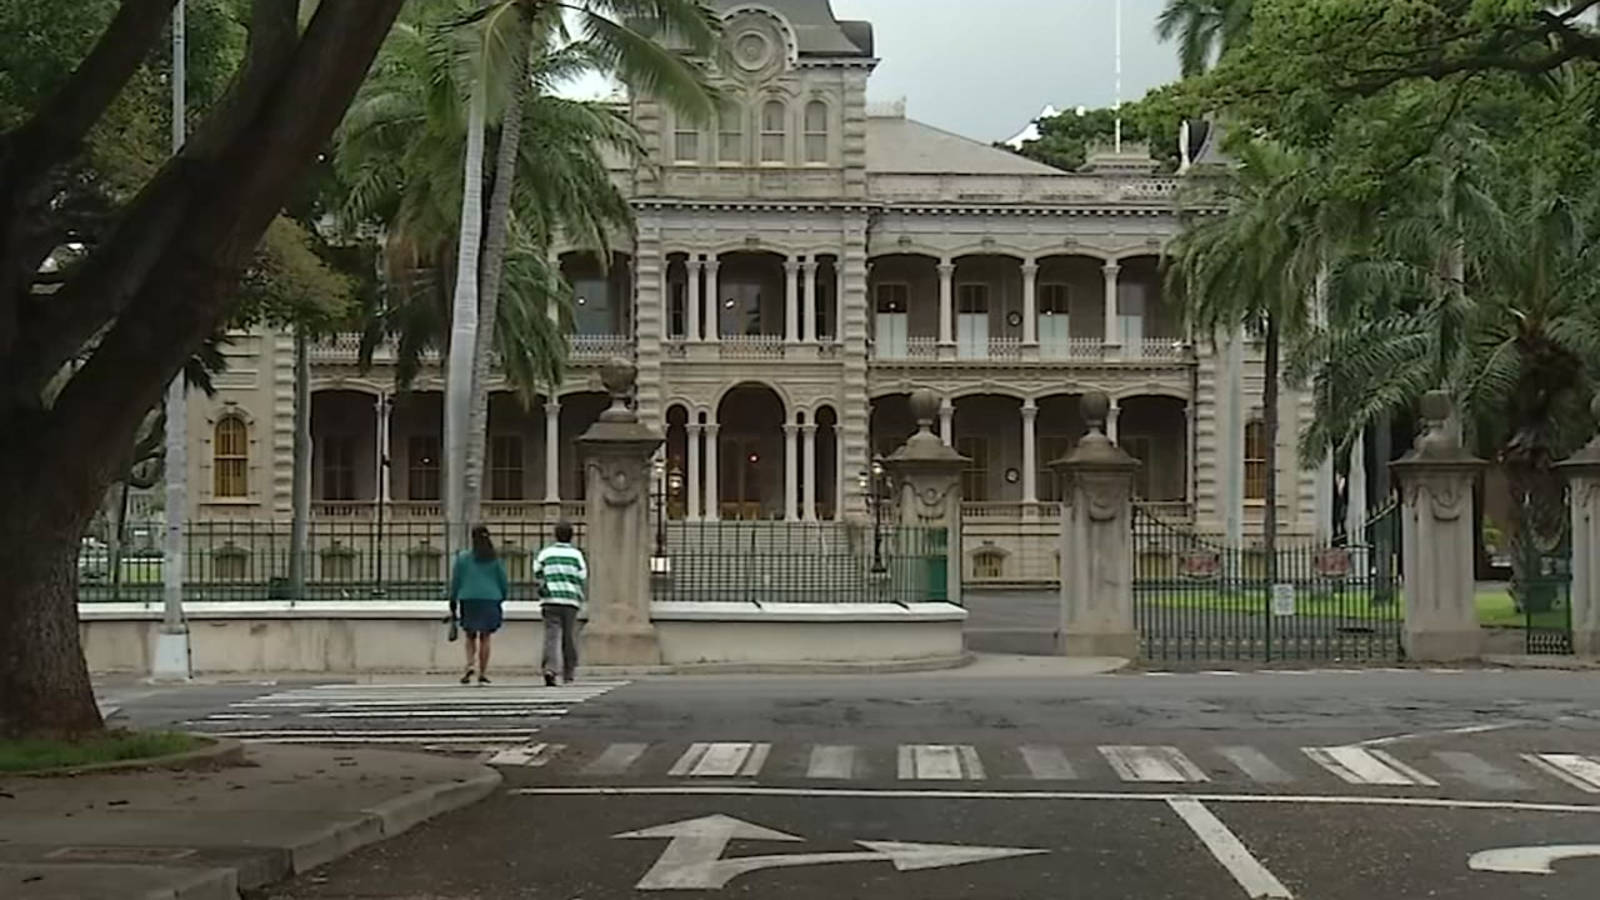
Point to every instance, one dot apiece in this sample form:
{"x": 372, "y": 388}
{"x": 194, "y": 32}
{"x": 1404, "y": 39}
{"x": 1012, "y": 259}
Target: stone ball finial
{"x": 619, "y": 375}
{"x": 924, "y": 407}
{"x": 1436, "y": 406}
{"x": 1096, "y": 407}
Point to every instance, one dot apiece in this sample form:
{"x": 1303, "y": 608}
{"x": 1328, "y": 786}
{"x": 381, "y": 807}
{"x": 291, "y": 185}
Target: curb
{"x": 221, "y": 751}
{"x": 886, "y": 667}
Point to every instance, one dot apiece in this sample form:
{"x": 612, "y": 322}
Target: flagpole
{"x": 1118, "y": 141}
{"x": 171, "y": 661}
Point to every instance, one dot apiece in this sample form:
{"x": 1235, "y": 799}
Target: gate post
{"x": 928, "y": 472}
{"x": 1436, "y": 480}
{"x": 616, "y": 453}
{"x": 1097, "y": 542}
{"x": 1583, "y": 476}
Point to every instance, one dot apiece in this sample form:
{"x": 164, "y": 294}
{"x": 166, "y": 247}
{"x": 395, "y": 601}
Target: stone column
{"x": 927, "y": 474}
{"x": 1097, "y": 542}
{"x": 713, "y": 324}
{"x": 692, "y": 430}
{"x": 693, "y": 305}
{"x": 791, "y": 300}
{"x": 1436, "y": 480}
{"x": 1030, "y": 304}
{"x": 947, "y": 423}
{"x": 1030, "y": 462}
{"x": 947, "y": 290}
{"x": 809, "y": 312}
{"x": 713, "y": 505}
{"x": 808, "y": 465}
{"x": 617, "y": 451}
{"x": 1583, "y": 474}
{"x": 791, "y": 470}
{"x": 552, "y": 450}
{"x": 1113, "y": 338}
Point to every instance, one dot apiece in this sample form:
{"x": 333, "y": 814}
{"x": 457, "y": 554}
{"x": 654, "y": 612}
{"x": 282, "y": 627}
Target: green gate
{"x": 1542, "y": 591}
{"x": 1196, "y": 597}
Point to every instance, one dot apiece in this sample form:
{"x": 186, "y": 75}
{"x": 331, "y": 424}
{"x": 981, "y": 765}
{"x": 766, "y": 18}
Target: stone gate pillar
{"x": 1583, "y": 477}
{"x": 927, "y": 472}
{"x": 616, "y": 453}
{"x": 1097, "y": 542}
{"x": 1436, "y": 480}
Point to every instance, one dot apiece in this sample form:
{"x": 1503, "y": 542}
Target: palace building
{"x": 799, "y": 266}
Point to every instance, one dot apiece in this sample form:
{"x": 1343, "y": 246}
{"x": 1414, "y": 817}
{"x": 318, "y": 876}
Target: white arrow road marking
{"x": 693, "y": 860}
{"x": 1529, "y": 860}
{"x": 534, "y": 755}
{"x": 1254, "y": 877}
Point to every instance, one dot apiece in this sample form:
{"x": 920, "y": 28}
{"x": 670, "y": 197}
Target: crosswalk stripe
{"x": 505, "y": 734}
{"x": 616, "y": 759}
{"x": 1471, "y": 768}
{"x": 1152, "y": 764}
{"x": 534, "y": 755}
{"x": 1256, "y": 765}
{"x": 832, "y": 762}
{"x": 939, "y": 762}
{"x": 440, "y": 684}
{"x": 721, "y": 760}
{"x": 1047, "y": 763}
{"x": 531, "y": 712}
{"x": 1581, "y": 772}
{"x": 1360, "y": 765}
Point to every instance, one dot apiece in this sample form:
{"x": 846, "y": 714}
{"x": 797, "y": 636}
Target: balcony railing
{"x": 432, "y": 510}
{"x": 1162, "y": 348}
{"x": 752, "y": 346}
{"x": 920, "y": 348}
{"x": 1073, "y": 348}
{"x": 592, "y": 347}
{"x": 1016, "y": 510}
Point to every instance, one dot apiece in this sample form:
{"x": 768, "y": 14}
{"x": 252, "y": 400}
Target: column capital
{"x": 810, "y": 264}
{"x": 791, "y": 264}
{"x": 552, "y": 406}
{"x": 1111, "y": 268}
{"x": 789, "y": 429}
{"x": 1030, "y": 267}
{"x": 692, "y": 427}
{"x": 712, "y": 428}
{"x": 946, "y": 267}
{"x": 712, "y": 264}
{"x": 1029, "y": 408}
{"x": 808, "y": 428}
{"x": 695, "y": 263}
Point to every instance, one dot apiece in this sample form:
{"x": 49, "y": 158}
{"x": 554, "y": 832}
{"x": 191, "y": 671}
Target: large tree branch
{"x": 230, "y": 197}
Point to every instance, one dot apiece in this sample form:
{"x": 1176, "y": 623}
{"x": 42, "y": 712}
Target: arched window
{"x": 686, "y": 142}
{"x": 816, "y": 132}
{"x": 230, "y": 456}
{"x": 1255, "y": 461}
{"x": 772, "y": 131}
{"x": 730, "y": 134}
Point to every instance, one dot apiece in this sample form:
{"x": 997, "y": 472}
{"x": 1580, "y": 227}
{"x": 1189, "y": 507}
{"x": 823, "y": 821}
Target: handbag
{"x": 453, "y": 633}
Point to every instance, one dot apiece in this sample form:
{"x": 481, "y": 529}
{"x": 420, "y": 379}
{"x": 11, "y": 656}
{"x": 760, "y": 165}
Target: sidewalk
{"x": 207, "y": 835}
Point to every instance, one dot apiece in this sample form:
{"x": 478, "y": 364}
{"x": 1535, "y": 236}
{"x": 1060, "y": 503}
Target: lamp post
{"x": 871, "y": 484}
{"x": 668, "y": 481}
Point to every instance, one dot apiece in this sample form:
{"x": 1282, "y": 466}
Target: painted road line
{"x": 1255, "y": 878}
{"x": 721, "y": 760}
{"x": 832, "y": 762}
{"x": 1474, "y": 770}
{"x": 1152, "y": 764}
{"x": 1047, "y": 763}
{"x": 738, "y": 790}
{"x": 1256, "y": 765}
{"x": 435, "y": 685}
{"x": 417, "y": 701}
{"x": 533, "y": 755}
{"x": 353, "y": 739}
{"x": 1359, "y": 765}
{"x": 1581, "y": 772}
{"x": 615, "y": 759}
{"x": 939, "y": 762}
{"x": 507, "y": 735}
{"x": 529, "y": 712}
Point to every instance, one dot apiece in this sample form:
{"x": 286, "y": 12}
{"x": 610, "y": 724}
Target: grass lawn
{"x": 111, "y": 746}
{"x": 1495, "y": 608}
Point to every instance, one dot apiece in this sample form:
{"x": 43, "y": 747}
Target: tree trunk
{"x": 300, "y": 511}
{"x": 464, "y": 325}
{"x": 1269, "y": 421}
{"x": 1384, "y": 538}
{"x": 493, "y": 263}
{"x": 119, "y": 525}
{"x": 44, "y": 681}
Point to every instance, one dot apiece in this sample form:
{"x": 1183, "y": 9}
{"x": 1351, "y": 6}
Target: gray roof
{"x": 898, "y": 144}
{"x": 817, "y": 30}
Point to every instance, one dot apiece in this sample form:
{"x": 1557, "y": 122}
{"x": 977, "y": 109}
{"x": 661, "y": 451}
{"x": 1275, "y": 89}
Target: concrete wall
{"x": 264, "y": 637}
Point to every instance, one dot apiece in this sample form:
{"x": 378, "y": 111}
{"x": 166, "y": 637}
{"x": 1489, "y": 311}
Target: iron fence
{"x": 1543, "y": 593}
{"x": 343, "y": 560}
{"x": 1199, "y": 598}
{"x": 801, "y": 562}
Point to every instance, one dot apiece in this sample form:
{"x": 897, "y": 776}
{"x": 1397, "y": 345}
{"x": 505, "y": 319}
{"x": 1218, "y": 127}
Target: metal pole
{"x": 1119, "y": 78}
{"x": 172, "y": 644}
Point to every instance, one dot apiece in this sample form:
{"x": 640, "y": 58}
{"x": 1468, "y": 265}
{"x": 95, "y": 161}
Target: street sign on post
{"x": 1283, "y": 600}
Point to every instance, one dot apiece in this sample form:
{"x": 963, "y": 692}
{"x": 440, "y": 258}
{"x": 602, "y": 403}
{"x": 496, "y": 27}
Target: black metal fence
{"x": 357, "y": 560}
{"x": 801, "y": 562}
{"x": 1198, "y": 598}
{"x": 1543, "y": 592}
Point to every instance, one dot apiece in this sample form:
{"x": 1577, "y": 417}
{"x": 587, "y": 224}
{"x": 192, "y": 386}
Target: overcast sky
{"x": 983, "y": 68}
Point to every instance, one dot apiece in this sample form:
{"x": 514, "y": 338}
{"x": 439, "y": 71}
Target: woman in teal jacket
{"x": 478, "y": 589}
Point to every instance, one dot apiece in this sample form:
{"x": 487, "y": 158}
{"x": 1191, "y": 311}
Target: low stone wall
{"x": 257, "y": 637}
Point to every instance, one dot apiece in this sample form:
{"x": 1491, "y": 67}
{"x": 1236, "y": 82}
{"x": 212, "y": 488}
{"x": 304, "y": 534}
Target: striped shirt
{"x": 564, "y": 574}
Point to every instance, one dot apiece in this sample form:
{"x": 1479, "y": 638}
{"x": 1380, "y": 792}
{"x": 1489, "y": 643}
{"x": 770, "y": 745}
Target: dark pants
{"x": 561, "y": 624}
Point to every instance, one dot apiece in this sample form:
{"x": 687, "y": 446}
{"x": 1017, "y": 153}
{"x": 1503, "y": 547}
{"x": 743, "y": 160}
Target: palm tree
{"x": 1205, "y": 29}
{"x": 1253, "y": 261}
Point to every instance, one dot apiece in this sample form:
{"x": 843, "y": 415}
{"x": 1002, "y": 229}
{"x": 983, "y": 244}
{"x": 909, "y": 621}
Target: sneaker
{"x": 549, "y": 679}
{"x": 484, "y": 679}
{"x": 467, "y": 678}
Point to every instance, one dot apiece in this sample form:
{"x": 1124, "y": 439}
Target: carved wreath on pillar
{"x": 1103, "y": 495}
{"x": 620, "y": 480}
{"x": 1446, "y": 500}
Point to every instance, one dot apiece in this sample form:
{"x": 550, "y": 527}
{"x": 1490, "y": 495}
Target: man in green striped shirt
{"x": 563, "y": 577}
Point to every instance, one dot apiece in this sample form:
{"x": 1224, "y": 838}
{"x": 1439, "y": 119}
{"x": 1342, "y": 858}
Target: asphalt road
{"x": 984, "y": 784}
